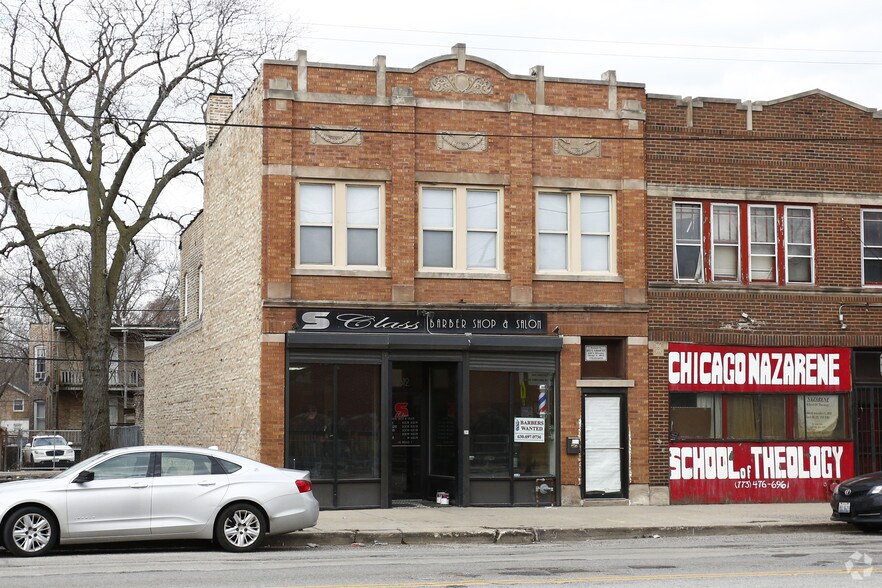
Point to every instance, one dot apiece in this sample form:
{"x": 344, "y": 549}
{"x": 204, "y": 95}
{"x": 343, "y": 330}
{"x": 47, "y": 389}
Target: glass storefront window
{"x": 820, "y": 416}
{"x": 498, "y": 401}
{"x": 696, "y": 416}
{"x": 334, "y": 428}
{"x": 758, "y": 417}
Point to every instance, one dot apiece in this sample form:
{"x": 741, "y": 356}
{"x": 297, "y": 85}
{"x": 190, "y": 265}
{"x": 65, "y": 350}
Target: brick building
{"x": 55, "y": 376}
{"x": 415, "y": 281}
{"x": 763, "y": 263}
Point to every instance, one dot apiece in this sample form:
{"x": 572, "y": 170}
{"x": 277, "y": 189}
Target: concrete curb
{"x": 525, "y": 535}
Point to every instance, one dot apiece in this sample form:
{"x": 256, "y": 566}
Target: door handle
{"x": 139, "y": 485}
{"x": 207, "y": 483}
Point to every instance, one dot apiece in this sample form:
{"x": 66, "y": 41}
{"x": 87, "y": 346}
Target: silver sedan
{"x": 158, "y": 492}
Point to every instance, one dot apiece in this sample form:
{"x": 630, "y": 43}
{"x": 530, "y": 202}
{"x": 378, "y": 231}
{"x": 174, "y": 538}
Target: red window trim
{"x": 744, "y": 241}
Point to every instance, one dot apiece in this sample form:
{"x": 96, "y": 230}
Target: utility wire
{"x": 746, "y": 139}
{"x": 603, "y": 54}
{"x": 597, "y": 41}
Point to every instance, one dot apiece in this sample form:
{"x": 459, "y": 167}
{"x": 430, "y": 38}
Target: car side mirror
{"x": 70, "y": 443}
{"x": 27, "y": 446}
{"x": 84, "y": 476}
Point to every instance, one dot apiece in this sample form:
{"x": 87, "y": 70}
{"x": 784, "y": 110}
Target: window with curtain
{"x": 758, "y": 417}
{"x": 688, "y": 263}
{"x": 725, "y": 231}
{"x": 763, "y": 244}
{"x": 871, "y": 238}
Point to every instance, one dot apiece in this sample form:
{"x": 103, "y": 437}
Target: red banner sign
{"x": 716, "y": 472}
{"x": 707, "y": 368}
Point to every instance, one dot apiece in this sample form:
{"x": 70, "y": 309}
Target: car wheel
{"x": 30, "y": 531}
{"x": 240, "y": 527}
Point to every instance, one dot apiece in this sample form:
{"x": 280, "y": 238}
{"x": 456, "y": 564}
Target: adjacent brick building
{"x": 419, "y": 281}
{"x": 763, "y": 252}
{"x": 516, "y": 289}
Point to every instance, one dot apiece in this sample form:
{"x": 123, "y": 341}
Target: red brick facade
{"x": 811, "y": 150}
{"x": 388, "y": 127}
{"x": 400, "y": 124}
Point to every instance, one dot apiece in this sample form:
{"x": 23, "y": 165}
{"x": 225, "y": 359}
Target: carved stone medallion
{"x": 326, "y": 135}
{"x": 577, "y": 147}
{"x": 461, "y": 83}
{"x": 457, "y": 141}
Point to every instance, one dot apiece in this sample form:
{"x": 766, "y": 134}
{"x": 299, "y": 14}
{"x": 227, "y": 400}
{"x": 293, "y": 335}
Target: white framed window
{"x": 688, "y": 262}
{"x": 200, "y": 292}
{"x": 459, "y": 229}
{"x": 871, "y": 245}
{"x": 726, "y": 253}
{"x": 18, "y": 405}
{"x": 799, "y": 244}
{"x": 186, "y": 297}
{"x": 763, "y": 243}
{"x": 39, "y": 415}
{"x": 339, "y": 225}
{"x": 39, "y": 363}
{"x": 574, "y": 232}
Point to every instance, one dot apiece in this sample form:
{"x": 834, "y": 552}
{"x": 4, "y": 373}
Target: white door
{"x": 603, "y": 444}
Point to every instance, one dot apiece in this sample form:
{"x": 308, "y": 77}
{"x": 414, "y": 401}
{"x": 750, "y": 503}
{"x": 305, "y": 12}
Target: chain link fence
{"x": 13, "y": 443}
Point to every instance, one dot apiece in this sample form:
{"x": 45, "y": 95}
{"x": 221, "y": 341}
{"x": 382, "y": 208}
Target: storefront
{"x": 751, "y": 424}
{"x": 389, "y": 407}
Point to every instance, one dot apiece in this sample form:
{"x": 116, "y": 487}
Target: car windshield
{"x": 56, "y": 440}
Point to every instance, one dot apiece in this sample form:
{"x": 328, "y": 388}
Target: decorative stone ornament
{"x": 461, "y": 83}
{"x": 577, "y": 147}
{"x": 336, "y": 136}
{"x": 456, "y": 141}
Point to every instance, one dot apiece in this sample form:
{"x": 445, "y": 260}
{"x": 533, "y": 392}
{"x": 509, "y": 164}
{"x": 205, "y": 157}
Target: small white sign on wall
{"x": 595, "y": 353}
{"x": 529, "y": 430}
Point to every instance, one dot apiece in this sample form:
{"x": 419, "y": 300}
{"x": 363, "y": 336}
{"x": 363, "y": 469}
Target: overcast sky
{"x": 745, "y": 49}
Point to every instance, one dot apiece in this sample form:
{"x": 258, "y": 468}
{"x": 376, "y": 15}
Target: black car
{"x": 858, "y": 501}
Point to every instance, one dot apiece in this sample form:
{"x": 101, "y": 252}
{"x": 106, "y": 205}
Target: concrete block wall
{"x": 203, "y": 384}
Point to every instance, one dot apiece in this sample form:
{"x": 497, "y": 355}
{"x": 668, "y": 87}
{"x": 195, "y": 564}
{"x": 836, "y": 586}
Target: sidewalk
{"x": 421, "y": 525}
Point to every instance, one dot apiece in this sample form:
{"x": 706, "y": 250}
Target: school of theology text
{"x": 773, "y": 462}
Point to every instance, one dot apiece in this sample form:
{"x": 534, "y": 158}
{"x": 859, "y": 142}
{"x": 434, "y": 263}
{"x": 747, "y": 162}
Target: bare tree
{"x": 93, "y": 90}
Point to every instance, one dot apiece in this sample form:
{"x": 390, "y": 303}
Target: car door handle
{"x": 207, "y": 483}
{"x": 139, "y": 485}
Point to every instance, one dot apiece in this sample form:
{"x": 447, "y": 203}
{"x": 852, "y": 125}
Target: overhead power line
{"x": 604, "y": 54}
{"x": 593, "y": 41}
{"x": 777, "y": 138}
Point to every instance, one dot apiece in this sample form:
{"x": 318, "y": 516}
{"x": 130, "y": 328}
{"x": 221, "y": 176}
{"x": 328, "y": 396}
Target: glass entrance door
{"x": 424, "y": 441}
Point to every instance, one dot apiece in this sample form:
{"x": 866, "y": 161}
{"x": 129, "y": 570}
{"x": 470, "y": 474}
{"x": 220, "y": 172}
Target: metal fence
{"x": 13, "y": 442}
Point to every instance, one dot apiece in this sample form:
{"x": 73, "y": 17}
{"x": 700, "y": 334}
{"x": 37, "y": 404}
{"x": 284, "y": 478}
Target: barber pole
{"x": 543, "y": 401}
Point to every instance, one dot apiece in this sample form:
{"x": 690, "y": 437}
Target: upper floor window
{"x": 740, "y": 242}
{"x": 871, "y": 238}
{"x": 186, "y": 296}
{"x": 39, "y": 414}
{"x": 339, "y": 225}
{"x": 460, "y": 229}
{"x": 200, "y": 292}
{"x": 18, "y": 405}
{"x": 39, "y": 363}
{"x": 574, "y": 232}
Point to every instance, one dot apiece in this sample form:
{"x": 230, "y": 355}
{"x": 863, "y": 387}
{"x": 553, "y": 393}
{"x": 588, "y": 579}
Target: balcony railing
{"x": 134, "y": 377}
